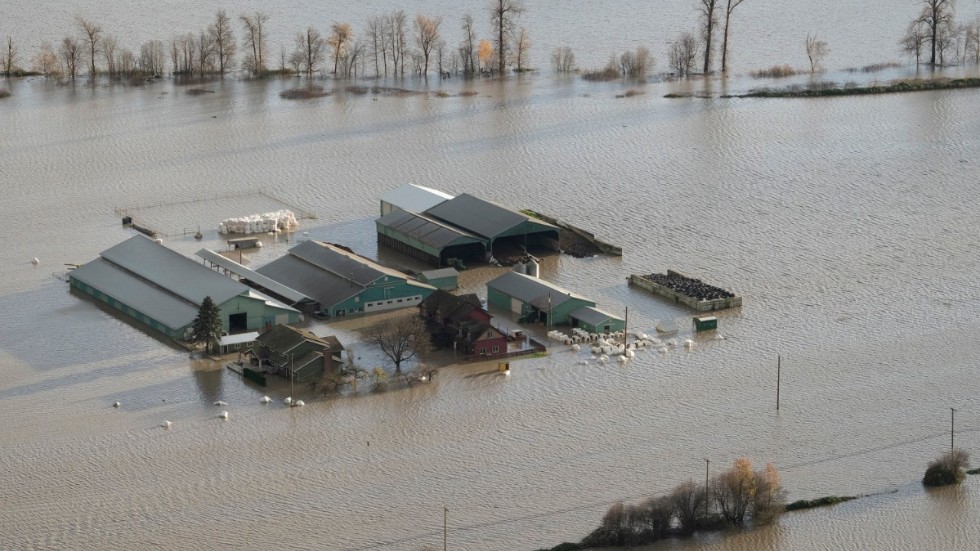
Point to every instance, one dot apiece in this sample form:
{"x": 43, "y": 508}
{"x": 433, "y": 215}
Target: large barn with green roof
{"x": 342, "y": 282}
{"x": 464, "y": 227}
{"x": 163, "y": 289}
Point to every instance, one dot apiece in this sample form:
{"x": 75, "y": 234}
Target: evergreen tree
{"x": 207, "y": 326}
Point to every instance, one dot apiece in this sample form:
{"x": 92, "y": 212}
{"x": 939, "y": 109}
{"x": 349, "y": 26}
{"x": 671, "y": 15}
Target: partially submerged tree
{"x": 427, "y": 37}
{"x": 709, "y": 18}
{"x": 46, "y": 61}
{"x": 224, "y": 41}
{"x": 563, "y": 60}
{"x": 401, "y": 339}
{"x": 816, "y": 51}
{"x": 503, "y": 17}
{"x": 915, "y": 38}
{"x": 8, "y": 58}
{"x": 729, "y": 8}
{"x": 92, "y": 34}
{"x": 937, "y": 16}
{"x": 636, "y": 64}
{"x": 950, "y": 468}
{"x": 309, "y": 51}
{"x": 70, "y": 52}
{"x": 339, "y": 40}
{"x": 467, "y": 48}
{"x": 682, "y": 52}
{"x": 254, "y": 42}
{"x": 207, "y": 326}
{"x": 485, "y": 55}
{"x": 522, "y": 43}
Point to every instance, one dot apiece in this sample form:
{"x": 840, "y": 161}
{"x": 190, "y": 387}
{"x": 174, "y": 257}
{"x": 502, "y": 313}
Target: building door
{"x": 238, "y": 323}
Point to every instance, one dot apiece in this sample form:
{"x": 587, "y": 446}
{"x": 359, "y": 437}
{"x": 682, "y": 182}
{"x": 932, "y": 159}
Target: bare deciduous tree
{"x": 733, "y": 491}
{"x": 401, "y": 339}
{"x": 729, "y": 8}
{"x": 563, "y": 60}
{"x": 92, "y": 34}
{"x": 339, "y": 40}
{"x": 427, "y": 36}
{"x": 915, "y": 38}
{"x": 937, "y": 16}
{"x": 70, "y": 52}
{"x": 254, "y": 42}
{"x": 109, "y": 49}
{"x": 467, "y": 48}
{"x": 152, "y": 56}
{"x": 635, "y": 64}
{"x": 503, "y": 16}
{"x": 688, "y": 501}
{"x": 971, "y": 39}
{"x": 816, "y": 51}
{"x": 375, "y": 32}
{"x": 46, "y": 61}
{"x": 709, "y": 18}
{"x": 224, "y": 41}
{"x": 9, "y": 57}
{"x": 309, "y": 51}
{"x": 395, "y": 25}
{"x": 206, "y": 52}
{"x": 682, "y": 52}
{"x": 522, "y": 43}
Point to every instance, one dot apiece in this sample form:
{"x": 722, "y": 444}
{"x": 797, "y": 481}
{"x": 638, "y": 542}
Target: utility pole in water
{"x": 445, "y": 531}
{"x": 778, "y": 376}
{"x": 952, "y": 423}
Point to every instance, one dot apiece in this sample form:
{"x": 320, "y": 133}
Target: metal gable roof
{"x": 344, "y": 264}
{"x": 172, "y": 271}
{"x": 593, "y": 316}
{"x": 533, "y": 290}
{"x": 415, "y": 198}
{"x": 440, "y": 273}
{"x": 172, "y": 311}
{"x": 253, "y": 276}
{"x": 426, "y": 230}
{"x": 476, "y": 215}
{"x": 323, "y": 286}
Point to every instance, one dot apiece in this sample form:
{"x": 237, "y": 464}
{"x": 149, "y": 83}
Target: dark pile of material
{"x": 689, "y": 286}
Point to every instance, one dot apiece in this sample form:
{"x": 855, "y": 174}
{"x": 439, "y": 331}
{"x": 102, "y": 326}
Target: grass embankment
{"x": 824, "y": 90}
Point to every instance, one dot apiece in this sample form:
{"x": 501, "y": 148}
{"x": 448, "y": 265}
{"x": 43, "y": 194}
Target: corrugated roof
{"x": 427, "y": 230}
{"x": 415, "y": 198}
{"x": 533, "y": 290}
{"x": 476, "y": 215}
{"x": 343, "y": 263}
{"x": 172, "y": 271}
{"x": 593, "y": 316}
{"x": 170, "y": 310}
{"x": 325, "y": 287}
{"x": 439, "y": 274}
{"x": 253, "y": 276}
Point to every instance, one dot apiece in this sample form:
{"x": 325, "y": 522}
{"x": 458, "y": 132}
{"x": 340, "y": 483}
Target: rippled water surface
{"x": 849, "y": 226}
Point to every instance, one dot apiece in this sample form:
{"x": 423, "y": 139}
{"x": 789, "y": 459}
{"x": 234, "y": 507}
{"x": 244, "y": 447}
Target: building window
{"x": 483, "y": 351}
{"x": 496, "y": 349}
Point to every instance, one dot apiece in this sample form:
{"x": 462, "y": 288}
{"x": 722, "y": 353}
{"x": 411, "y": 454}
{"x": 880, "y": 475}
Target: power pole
{"x": 445, "y": 531}
{"x": 778, "y": 377}
{"x": 952, "y": 422}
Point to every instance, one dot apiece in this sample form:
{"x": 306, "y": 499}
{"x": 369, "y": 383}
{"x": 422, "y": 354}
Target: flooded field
{"x": 848, "y": 226}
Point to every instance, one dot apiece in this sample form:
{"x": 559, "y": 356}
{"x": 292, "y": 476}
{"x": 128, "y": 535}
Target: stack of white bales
{"x": 280, "y": 220}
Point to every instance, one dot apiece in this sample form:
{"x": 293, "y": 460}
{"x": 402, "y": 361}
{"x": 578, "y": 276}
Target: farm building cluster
{"x": 163, "y": 290}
